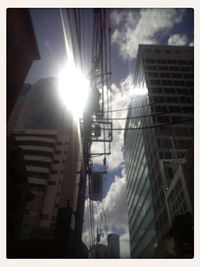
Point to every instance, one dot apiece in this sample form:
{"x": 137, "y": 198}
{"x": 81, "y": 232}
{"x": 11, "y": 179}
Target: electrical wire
{"x": 146, "y": 105}
{"x": 137, "y": 117}
{"x": 153, "y": 126}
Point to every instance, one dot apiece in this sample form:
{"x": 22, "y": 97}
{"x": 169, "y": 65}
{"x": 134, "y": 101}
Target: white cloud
{"x": 120, "y": 100}
{"x": 118, "y": 17}
{"x": 140, "y": 28}
{"x": 191, "y": 43}
{"x": 115, "y": 211}
{"x": 115, "y": 204}
{"x": 178, "y": 39}
{"x": 125, "y": 246}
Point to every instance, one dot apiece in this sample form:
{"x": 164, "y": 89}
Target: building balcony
{"x": 38, "y": 181}
{"x": 37, "y": 169}
{"x": 38, "y": 158}
{"x": 37, "y": 148}
{"x": 36, "y": 139}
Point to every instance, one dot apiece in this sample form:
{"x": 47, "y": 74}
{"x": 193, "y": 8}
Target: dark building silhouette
{"x": 113, "y": 246}
{"x": 111, "y": 251}
{"x": 47, "y": 137}
{"x": 158, "y": 148}
{"x": 99, "y": 251}
{"x": 22, "y": 49}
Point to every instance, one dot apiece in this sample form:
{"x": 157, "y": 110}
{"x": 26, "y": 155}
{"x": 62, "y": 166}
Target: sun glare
{"x": 139, "y": 91}
{"x": 73, "y": 89}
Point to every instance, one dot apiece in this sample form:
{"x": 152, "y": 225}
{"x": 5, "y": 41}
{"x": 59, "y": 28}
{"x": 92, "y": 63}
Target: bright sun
{"x": 73, "y": 89}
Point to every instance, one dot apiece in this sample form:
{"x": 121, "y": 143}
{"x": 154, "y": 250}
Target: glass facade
{"x": 40, "y": 107}
{"x": 163, "y": 132}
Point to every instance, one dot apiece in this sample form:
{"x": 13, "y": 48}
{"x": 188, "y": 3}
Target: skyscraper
{"x": 158, "y": 137}
{"x": 113, "y": 246}
{"x": 22, "y": 49}
{"x": 51, "y": 148}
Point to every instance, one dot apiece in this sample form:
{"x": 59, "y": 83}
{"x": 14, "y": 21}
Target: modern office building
{"x": 98, "y": 251}
{"x": 51, "y": 149}
{"x": 158, "y": 142}
{"x": 111, "y": 251}
{"x": 113, "y": 246}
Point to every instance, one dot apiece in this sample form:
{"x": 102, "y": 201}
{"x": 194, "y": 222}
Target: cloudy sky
{"x": 130, "y": 27}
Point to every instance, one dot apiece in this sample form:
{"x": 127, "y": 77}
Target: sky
{"x": 130, "y": 27}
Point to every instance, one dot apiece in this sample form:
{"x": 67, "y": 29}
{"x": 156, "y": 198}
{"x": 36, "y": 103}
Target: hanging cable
{"x": 142, "y": 116}
{"x": 153, "y": 126}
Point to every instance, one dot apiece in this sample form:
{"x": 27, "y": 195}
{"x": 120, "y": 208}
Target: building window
{"x": 152, "y": 74}
{"x": 190, "y": 83}
{"x": 161, "y": 109}
{"x": 169, "y": 91}
{"x": 176, "y": 75}
{"x": 182, "y": 143}
{"x": 162, "y": 67}
{"x": 188, "y": 76}
{"x": 177, "y": 51}
{"x": 165, "y": 75}
{"x": 166, "y": 82}
{"x": 188, "y": 109}
{"x": 147, "y": 50}
{"x": 154, "y": 82}
{"x": 164, "y": 143}
{"x": 156, "y": 90}
{"x": 174, "y": 109}
{"x": 165, "y": 155}
{"x": 173, "y": 68}
{"x": 163, "y": 119}
{"x": 182, "y": 91}
{"x": 172, "y": 99}
{"x": 179, "y": 83}
{"x": 171, "y": 61}
{"x": 185, "y": 69}
{"x": 167, "y": 51}
{"x": 158, "y": 98}
{"x": 176, "y": 119}
{"x": 161, "y": 61}
{"x": 182, "y": 62}
{"x": 149, "y": 60}
{"x": 186, "y": 99}
{"x": 151, "y": 67}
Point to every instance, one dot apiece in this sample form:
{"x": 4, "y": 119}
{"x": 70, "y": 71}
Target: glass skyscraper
{"x": 158, "y": 138}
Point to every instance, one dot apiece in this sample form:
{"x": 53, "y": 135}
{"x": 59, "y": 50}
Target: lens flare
{"x": 74, "y": 89}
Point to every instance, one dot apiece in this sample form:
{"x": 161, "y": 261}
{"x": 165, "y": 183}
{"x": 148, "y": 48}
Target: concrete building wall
{"x": 49, "y": 140}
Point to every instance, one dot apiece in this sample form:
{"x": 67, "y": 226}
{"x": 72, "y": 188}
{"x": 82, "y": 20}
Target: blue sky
{"x": 130, "y": 27}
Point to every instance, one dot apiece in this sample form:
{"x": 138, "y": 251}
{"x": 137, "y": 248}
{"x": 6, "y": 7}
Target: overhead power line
{"x": 153, "y": 126}
{"x": 139, "y": 117}
{"x": 146, "y": 105}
